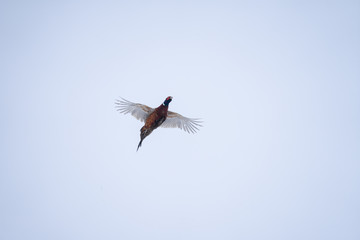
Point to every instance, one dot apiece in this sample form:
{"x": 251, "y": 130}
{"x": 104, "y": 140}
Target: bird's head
{"x": 167, "y": 101}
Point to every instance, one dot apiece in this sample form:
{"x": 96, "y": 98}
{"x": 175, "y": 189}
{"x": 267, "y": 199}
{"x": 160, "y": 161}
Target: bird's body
{"x": 153, "y": 121}
{"x": 154, "y": 118}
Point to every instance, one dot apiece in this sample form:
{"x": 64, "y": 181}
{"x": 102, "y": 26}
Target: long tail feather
{"x": 139, "y": 144}
{"x": 143, "y": 134}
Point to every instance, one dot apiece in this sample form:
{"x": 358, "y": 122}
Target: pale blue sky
{"x": 277, "y": 84}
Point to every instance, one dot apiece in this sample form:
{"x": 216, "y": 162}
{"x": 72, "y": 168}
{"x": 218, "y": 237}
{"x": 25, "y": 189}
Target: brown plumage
{"x": 154, "y": 118}
{"x": 153, "y": 121}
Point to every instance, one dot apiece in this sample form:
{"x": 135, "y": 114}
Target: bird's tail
{"x": 143, "y": 134}
{"x": 139, "y": 144}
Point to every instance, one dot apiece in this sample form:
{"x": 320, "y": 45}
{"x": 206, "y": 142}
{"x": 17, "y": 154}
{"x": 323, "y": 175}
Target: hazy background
{"x": 277, "y": 84}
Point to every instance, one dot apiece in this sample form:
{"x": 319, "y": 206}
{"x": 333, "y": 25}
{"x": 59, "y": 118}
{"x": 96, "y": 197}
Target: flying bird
{"x": 156, "y": 117}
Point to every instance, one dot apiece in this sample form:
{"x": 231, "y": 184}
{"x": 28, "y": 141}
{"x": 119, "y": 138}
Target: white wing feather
{"x": 175, "y": 120}
{"x": 139, "y": 111}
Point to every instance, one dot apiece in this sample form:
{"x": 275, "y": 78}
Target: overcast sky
{"x": 277, "y": 84}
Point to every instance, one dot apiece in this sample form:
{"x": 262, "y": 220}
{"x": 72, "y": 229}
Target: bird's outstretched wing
{"x": 139, "y": 111}
{"x": 175, "y": 120}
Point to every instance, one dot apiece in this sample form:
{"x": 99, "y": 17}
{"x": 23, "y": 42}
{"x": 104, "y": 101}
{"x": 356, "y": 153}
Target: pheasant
{"x": 156, "y": 117}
